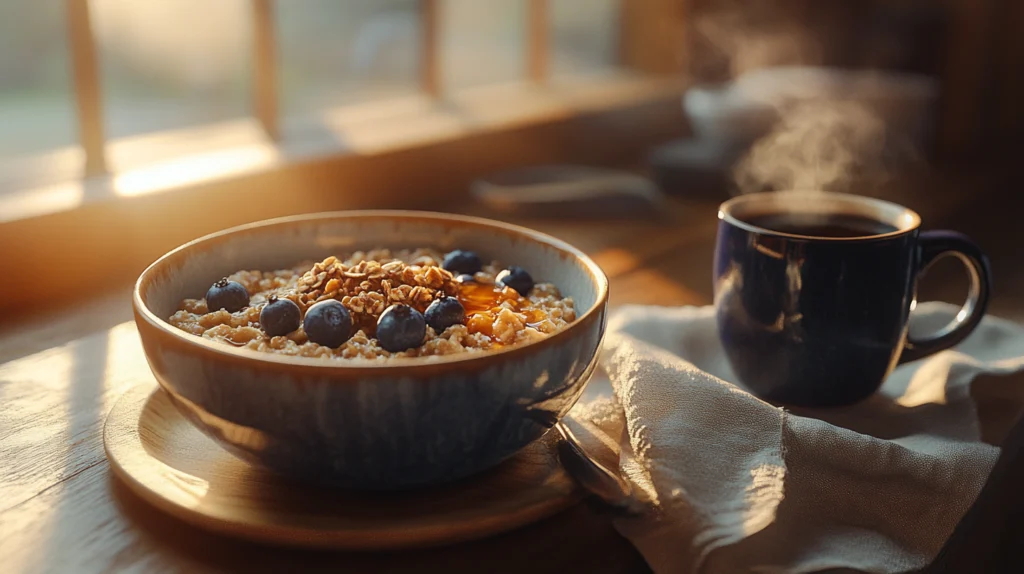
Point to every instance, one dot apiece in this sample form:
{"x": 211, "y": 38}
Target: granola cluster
{"x": 369, "y": 286}
{"x": 367, "y": 283}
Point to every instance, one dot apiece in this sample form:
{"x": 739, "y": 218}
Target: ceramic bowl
{"x": 387, "y": 424}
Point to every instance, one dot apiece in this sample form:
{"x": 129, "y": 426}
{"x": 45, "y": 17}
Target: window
{"x": 142, "y": 124}
{"x": 482, "y": 42}
{"x": 585, "y": 35}
{"x": 333, "y": 53}
{"x": 36, "y": 105}
{"x": 105, "y": 98}
{"x": 169, "y": 64}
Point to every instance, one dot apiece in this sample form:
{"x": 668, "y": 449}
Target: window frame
{"x": 647, "y": 45}
{"x": 260, "y": 167}
{"x": 651, "y": 34}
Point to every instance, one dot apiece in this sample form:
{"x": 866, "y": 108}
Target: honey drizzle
{"x": 483, "y": 302}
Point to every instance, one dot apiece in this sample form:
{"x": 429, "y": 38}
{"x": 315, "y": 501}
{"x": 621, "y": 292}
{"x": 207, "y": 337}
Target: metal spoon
{"x": 613, "y": 492}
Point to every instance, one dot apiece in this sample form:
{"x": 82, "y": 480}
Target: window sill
{"x": 76, "y": 238}
{"x": 168, "y": 161}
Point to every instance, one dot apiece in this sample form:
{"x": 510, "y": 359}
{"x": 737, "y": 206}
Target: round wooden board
{"x": 169, "y": 463}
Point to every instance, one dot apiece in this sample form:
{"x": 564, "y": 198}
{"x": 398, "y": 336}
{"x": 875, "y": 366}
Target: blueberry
{"x": 328, "y": 323}
{"x": 444, "y": 313}
{"x": 228, "y": 295}
{"x": 400, "y": 327}
{"x": 516, "y": 278}
{"x": 465, "y": 278}
{"x": 460, "y": 261}
{"x": 280, "y": 316}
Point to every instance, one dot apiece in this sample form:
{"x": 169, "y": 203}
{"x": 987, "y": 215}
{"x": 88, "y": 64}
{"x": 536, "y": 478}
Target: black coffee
{"x": 822, "y": 225}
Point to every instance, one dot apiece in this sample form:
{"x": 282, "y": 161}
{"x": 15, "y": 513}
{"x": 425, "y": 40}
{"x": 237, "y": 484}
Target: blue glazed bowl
{"x": 392, "y": 424}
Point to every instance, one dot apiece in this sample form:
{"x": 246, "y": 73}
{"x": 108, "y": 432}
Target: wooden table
{"x": 62, "y": 511}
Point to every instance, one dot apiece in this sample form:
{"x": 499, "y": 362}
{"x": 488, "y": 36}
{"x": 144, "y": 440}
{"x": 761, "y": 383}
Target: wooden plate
{"x": 166, "y": 461}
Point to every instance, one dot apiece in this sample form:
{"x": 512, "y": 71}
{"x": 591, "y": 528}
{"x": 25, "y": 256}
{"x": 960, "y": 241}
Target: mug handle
{"x": 935, "y": 245}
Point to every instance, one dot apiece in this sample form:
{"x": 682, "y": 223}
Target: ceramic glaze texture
{"x": 806, "y": 322}
{"x": 379, "y": 425}
{"x": 822, "y": 320}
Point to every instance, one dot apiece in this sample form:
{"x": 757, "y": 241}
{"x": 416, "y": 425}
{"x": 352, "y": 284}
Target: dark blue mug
{"x": 813, "y": 292}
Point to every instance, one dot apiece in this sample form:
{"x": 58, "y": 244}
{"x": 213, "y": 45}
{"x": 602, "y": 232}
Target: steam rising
{"x": 812, "y": 127}
{"x": 750, "y": 35}
{"x": 826, "y": 145}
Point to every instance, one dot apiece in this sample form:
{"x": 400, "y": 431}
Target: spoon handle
{"x": 611, "y": 490}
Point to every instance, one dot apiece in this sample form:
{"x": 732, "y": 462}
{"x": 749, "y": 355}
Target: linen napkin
{"x": 740, "y": 485}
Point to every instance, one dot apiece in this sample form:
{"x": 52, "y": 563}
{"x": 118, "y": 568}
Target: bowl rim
{"x": 358, "y": 365}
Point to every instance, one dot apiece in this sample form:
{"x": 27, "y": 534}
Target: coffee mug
{"x": 813, "y": 292}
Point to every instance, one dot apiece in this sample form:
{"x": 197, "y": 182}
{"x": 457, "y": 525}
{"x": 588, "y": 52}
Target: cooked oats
{"x": 369, "y": 282}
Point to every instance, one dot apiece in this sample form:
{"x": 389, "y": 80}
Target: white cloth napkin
{"x": 743, "y": 486}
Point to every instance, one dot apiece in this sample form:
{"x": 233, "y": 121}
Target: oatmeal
{"x": 378, "y": 304}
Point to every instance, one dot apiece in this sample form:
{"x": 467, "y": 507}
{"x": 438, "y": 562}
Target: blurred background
{"x": 129, "y": 127}
{"x": 167, "y": 64}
